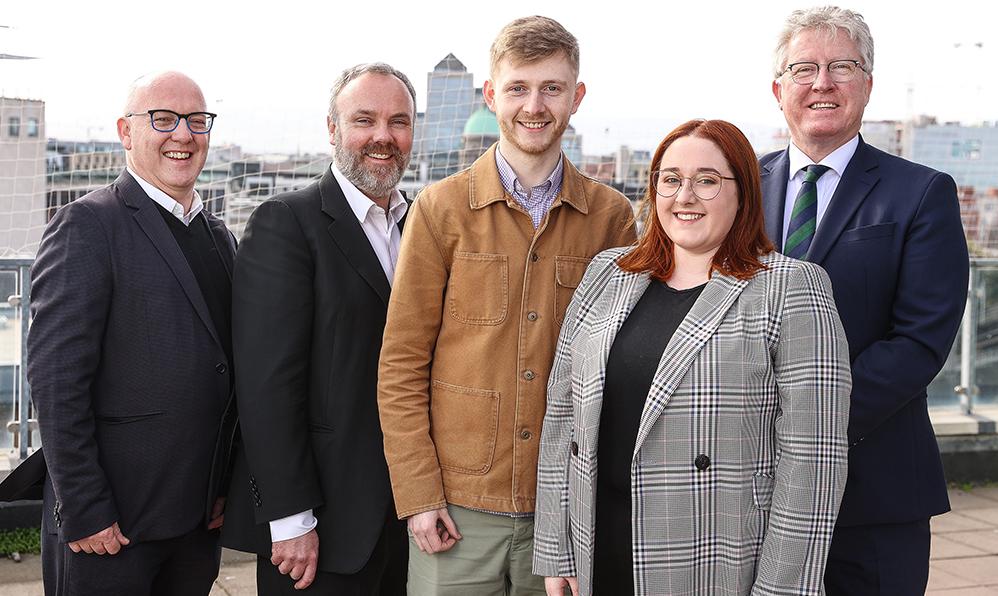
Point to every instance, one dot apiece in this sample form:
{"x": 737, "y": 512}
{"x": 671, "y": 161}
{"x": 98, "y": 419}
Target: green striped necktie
{"x": 804, "y": 218}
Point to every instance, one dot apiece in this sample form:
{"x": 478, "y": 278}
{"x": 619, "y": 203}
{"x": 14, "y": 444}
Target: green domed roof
{"x": 482, "y": 123}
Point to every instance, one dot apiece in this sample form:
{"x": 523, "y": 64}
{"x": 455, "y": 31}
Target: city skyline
{"x": 646, "y": 69}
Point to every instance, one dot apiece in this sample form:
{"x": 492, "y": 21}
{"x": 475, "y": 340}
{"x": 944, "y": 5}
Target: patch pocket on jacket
{"x": 568, "y": 273}
{"x": 881, "y": 230}
{"x": 463, "y": 424}
{"x": 762, "y": 491}
{"x": 478, "y": 287}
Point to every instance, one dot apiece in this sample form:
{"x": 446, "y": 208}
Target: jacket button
{"x": 220, "y": 368}
{"x": 531, "y": 316}
{"x": 528, "y": 375}
{"x": 525, "y": 435}
{"x": 702, "y": 462}
{"x": 575, "y": 448}
{"x": 534, "y": 257}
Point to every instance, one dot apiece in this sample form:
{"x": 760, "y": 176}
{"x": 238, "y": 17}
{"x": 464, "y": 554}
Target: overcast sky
{"x": 648, "y": 66}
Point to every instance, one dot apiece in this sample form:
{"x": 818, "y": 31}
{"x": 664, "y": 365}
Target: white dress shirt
{"x": 166, "y": 201}
{"x": 382, "y": 231}
{"x": 836, "y": 161}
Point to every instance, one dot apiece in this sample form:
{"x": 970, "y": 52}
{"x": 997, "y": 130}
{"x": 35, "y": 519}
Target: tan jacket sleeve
{"x": 414, "y": 318}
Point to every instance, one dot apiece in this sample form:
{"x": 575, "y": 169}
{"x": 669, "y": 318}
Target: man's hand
{"x": 555, "y": 586}
{"x": 107, "y": 541}
{"x": 297, "y": 557}
{"x": 217, "y": 514}
{"x": 434, "y": 531}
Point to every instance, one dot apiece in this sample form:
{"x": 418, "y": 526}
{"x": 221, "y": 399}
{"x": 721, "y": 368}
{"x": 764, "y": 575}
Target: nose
{"x": 823, "y": 81}
{"x": 182, "y": 133}
{"x": 685, "y": 194}
{"x": 534, "y": 103}
{"x": 381, "y": 133}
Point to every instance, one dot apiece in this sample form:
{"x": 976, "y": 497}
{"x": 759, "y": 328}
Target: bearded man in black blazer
{"x": 310, "y": 492}
{"x": 129, "y": 362}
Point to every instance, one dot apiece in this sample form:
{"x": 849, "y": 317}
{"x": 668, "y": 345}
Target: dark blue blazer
{"x": 893, "y": 245}
{"x": 126, "y": 370}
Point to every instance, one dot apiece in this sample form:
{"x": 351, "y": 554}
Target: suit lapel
{"x": 686, "y": 343}
{"x": 349, "y": 236}
{"x": 223, "y": 242}
{"x": 859, "y": 178}
{"x": 149, "y": 219}
{"x": 775, "y": 175}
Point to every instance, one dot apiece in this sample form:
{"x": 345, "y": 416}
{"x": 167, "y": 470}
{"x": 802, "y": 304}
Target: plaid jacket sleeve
{"x": 811, "y": 366}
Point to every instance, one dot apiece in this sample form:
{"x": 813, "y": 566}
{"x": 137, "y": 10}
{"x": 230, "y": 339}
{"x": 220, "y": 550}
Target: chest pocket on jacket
{"x": 478, "y": 288}
{"x": 568, "y": 272}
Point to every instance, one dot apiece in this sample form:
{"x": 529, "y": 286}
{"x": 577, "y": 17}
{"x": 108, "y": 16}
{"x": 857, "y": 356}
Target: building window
{"x": 33, "y": 127}
{"x": 14, "y": 126}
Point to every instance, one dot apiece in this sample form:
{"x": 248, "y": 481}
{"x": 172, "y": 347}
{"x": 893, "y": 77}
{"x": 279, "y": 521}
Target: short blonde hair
{"x": 529, "y": 39}
{"x": 828, "y": 19}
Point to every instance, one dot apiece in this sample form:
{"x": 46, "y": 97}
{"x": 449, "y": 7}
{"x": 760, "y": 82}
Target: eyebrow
{"x": 698, "y": 170}
{"x": 363, "y": 112}
{"x": 547, "y": 82}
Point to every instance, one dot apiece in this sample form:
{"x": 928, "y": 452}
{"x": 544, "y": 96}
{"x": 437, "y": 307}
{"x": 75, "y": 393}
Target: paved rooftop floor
{"x": 964, "y": 555}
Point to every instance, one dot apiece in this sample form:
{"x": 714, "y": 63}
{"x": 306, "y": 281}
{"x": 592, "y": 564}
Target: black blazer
{"x": 309, "y": 305}
{"x": 893, "y": 245}
{"x": 126, "y": 369}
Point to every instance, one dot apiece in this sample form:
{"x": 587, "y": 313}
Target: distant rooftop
{"x": 450, "y": 63}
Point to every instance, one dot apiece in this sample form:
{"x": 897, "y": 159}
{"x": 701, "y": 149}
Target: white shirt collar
{"x": 836, "y": 160}
{"x": 167, "y": 202}
{"x": 361, "y": 204}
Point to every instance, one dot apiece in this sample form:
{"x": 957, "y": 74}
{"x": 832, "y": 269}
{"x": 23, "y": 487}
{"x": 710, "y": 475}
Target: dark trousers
{"x": 887, "y": 559}
{"x": 183, "y": 566}
{"x": 384, "y": 574}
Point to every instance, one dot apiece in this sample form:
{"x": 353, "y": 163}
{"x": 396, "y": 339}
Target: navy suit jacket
{"x": 126, "y": 370}
{"x": 893, "y": 245}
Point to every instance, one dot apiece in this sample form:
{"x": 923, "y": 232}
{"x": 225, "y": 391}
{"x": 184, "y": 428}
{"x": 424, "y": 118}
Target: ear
{"x": 125, "y": 133}
{"x": 580, "y": 92}
{"x": 489, "y": 93}
{"x": 869, "y": 88}
{"x": 778, "y": 92}
{"x": 331, "y": 125}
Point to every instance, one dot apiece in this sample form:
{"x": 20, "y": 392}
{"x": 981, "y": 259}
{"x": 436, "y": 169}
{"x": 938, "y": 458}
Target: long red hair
{"x": 746, "y": 241}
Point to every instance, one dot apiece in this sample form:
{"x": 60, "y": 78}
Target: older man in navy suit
{"x": 888, "y": 232}
{"x": 129, "y": 360}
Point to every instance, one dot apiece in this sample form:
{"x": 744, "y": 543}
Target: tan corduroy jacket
{"x": 476, "y": 307}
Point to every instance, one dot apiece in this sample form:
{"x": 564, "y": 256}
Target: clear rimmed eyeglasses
{"x": 704, "y": 185}
{"x": 198, "y": 123}
{"x": 841, "y": 71}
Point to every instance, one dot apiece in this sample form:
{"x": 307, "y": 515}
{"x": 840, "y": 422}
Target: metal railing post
{"x": 24, "y": 403}
{"x": 967, "y": 389}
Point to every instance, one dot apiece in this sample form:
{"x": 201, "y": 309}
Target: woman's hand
{"x": 555, "y": 586}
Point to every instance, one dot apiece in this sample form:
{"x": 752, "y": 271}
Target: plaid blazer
{"x": 740, "y": 458}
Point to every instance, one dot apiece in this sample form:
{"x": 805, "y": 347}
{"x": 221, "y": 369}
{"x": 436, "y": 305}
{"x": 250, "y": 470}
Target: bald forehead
{"x": 165, "y": 86}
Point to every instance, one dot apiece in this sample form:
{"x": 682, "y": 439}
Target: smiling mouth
{"x": 688, "y": 216}
{"x": 534, "y": 125}
{"x": 178, "y": 154}
{"x": 823, "y": 105}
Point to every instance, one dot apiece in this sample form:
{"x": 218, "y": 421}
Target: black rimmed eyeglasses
{"x": 841, "y": 71}
{"x": 198, "y": 123}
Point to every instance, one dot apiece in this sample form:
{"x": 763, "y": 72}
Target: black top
{"x": 630, "y": 368}
{"x": 199, "y": 249}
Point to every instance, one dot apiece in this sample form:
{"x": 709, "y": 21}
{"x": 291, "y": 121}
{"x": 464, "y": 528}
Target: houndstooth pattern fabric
{"x": 757, "y": 379}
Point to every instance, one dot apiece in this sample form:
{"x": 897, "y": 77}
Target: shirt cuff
{"x": 292, "y": 526}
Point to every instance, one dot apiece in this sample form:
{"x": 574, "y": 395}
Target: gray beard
{"x": 376, "y": 181}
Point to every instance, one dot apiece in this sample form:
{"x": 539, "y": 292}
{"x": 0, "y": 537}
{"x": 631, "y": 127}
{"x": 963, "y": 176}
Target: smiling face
{"x": 170, "y": 161}
{"x": 823, "y": 115}
{"x": 533, "y": 103}
{"x": 696, "y": 227}
{"x": 372, "y": 134}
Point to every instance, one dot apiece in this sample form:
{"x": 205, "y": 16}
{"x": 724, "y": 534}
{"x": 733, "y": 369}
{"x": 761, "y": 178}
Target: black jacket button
{"x": 220, "y": 368}
{"x": 702, "y": 462}
{"x": 575, "y": 448}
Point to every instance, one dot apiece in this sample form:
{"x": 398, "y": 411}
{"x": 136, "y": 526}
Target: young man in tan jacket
{"x": 488, "y": 264}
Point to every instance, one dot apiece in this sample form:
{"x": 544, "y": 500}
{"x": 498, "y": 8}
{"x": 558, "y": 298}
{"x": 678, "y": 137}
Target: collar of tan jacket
{"x": 485, "y": 187}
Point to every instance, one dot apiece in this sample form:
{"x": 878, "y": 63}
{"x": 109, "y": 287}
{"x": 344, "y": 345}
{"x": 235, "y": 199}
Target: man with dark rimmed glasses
{"x": 129, "y": 360}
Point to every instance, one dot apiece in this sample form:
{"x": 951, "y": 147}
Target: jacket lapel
{"x": 775, "y": 174}
{"x": 349, "y": 236}
{"x": 686, "y": 343}
{"x": 857, "y": 181}
{"x": 225, "y": 245}
{"x": 149, "y": 219}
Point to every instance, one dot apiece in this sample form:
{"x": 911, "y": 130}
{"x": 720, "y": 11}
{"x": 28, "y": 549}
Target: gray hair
{"x": 359, "y": 70}
{"x": 828, "y": 19}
